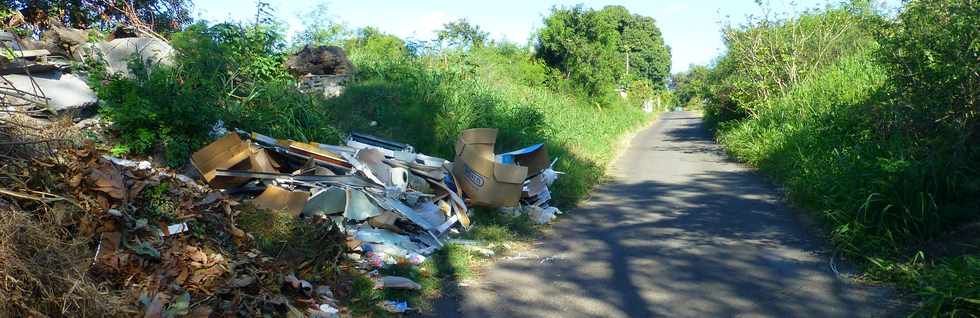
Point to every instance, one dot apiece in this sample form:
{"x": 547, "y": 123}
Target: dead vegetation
{"x": 84, "y": 236}
{"x": 44, "y": 268}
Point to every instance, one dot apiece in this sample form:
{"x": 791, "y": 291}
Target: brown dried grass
{"x": 44, "y": 269}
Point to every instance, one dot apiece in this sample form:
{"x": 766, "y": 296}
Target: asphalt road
{"x": 681, "y": 231}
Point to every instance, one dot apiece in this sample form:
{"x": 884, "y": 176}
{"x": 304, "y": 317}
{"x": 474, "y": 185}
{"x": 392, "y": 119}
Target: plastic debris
{"x": 393, "y": 306}
{"x": 397, "y": 282}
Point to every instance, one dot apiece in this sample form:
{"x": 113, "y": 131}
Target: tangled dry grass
{"x": 43, "y": 269}
{"x": 43, "y": 266}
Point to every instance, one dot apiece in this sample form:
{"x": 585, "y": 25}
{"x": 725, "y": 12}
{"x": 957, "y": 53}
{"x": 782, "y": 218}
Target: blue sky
{"x": 691, "y": 28}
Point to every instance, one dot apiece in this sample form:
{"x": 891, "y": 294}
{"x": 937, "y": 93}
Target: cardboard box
{"x": 485, "y": 181}
{"x": 232, "y": 153}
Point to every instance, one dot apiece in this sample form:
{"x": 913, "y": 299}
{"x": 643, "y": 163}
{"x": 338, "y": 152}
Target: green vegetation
{"x": 871, "y": 123}
{"x": 601, "y": 50}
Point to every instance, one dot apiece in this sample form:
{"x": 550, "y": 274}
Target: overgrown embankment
{"x": 870, "y": 122}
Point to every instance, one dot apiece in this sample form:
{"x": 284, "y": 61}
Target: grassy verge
{"x": 873, "y": 194}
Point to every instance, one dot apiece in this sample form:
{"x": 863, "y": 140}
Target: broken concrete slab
{"x": 64, "y": 92}
{"x": 117, "y": 53}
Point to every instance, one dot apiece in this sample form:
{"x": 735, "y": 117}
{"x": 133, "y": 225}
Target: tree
{"x": 462, "y": 34}
{"x": 600, "y": 49}
{"x": 690, "y": 84}
{"x": 320, "y": 28}
{"x": 370, "y": 41}
{"x": 161, "y": 15}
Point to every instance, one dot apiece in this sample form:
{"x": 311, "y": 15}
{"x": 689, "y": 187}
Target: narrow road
{"x": 681, "y": 231}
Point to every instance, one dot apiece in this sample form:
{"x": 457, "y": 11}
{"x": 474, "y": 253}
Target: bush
{"x": 166, "y": 107}
{"x": 227, "y": 72}
{"x": 766, "y": 57}
{"x": 932, "y": 52}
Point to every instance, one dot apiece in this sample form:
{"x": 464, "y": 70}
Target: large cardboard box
{"x": 482, "y": 179}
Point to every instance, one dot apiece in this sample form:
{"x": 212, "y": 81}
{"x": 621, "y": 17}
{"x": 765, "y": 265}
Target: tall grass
{"x": 876, "y": 139}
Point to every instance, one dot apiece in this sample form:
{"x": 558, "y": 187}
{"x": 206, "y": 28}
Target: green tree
{"x": 690, "y": 84}
{"x": 161, "y": 15}
{"x": 319, "y": 28}
{"x": 601, "y": 49}
{"x": 374, "y": 45}
{"x": 462, "y": 34}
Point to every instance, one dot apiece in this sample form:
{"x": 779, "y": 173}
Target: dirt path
{"x": 682, "y": 231}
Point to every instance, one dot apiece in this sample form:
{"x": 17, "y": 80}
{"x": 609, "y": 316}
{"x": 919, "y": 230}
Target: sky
{"x": 690, "y": 28}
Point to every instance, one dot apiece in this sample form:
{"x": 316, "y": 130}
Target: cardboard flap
{"x": 504, "y": 173}
{"x": 535, "y": 161}
{"x": 486, "y": 137}
{"x": 224, "y": 153}
{"x": 276, "y": 198}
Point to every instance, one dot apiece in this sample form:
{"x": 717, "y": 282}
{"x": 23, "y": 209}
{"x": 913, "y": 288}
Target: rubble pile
{"x": 320, "y": 69}
{"x": 320, "y": 60}
{"x": 212, "y": 246}
{"x": 37, "y": 78}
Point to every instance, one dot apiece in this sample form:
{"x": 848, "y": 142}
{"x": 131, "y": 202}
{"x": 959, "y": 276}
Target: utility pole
{"x": 627, "y": 63}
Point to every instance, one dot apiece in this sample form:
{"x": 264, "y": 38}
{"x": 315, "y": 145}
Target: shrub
{"x": 166, "y": 107}
{"x": 766, "y": 57}
{"x": 932, "y": 52}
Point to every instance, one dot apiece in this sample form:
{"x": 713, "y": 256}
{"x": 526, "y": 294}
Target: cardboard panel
{"x": 278, "y": 198}
{"x": 485, "y": 181}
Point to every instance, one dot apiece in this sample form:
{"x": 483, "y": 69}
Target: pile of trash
{"x": 401, "y": 204}
{"x": 252, "y": 233}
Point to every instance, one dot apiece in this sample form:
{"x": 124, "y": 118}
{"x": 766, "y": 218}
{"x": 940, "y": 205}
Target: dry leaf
{"x": 108, "y": 180}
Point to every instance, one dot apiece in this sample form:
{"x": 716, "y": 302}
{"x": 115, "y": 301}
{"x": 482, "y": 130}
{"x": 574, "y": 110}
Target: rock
{"x": 118, "y": 52}
{"x": 61, "y": 40}
{"x": 320, "y": 60}
{"x": 123, "y": 31}
{"x": 64, "y": 91}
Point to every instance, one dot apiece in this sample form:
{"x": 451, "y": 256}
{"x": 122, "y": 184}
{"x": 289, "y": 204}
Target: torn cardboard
{"x": 484, "y": 180}
{"x": 534, "y": 157}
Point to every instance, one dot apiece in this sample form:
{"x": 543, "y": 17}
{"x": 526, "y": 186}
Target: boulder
{"x": 320, "y": 60}
{"x": 61, "y": 40}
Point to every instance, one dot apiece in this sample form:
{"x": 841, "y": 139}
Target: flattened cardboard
{"x": 224, "y": 153}
{"x": 485, "y": 181}
{"x": 534, "y": 157}
{"x": 316, "y": 152}
{"x": 458, "y": 204}
{"x": 277, "y": 198}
